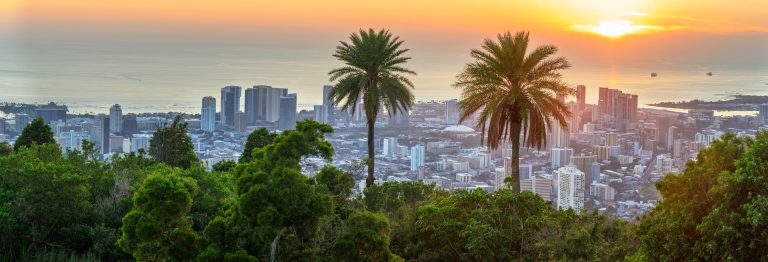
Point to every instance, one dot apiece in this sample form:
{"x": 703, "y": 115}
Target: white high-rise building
{"x": 570, "y": 188}
{"x": 389, "y": 147}
{"x": 359, "y": 115}
{"x": 208, "y": 114}
{"x": 559, "y": 135}
{"x": 140, "y": 141}
{"x": 560, "y": 156}
{"x": 320, "y": 114}
{"x": 451, "y": 112}
{"x": 115, "y": 119}
{"x": 417, "y": 157}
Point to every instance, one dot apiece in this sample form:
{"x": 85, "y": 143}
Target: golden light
{"x": 616, "y": 28}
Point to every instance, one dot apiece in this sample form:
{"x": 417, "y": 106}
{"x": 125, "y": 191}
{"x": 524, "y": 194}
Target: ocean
{"x": 91, "y": 77}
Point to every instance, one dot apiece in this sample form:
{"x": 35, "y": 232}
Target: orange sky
{"x": 595, "y": 35}
{"x": 424, "y": 15}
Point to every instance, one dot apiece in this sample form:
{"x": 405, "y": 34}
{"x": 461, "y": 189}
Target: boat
{"x": 709, "y": 73}
{"x": 654, "y": 74}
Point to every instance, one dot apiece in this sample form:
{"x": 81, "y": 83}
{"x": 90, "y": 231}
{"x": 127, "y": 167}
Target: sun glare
{"x": 616, "y": 28}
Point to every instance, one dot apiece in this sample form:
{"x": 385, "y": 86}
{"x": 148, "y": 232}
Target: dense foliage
{"x": 171, "y": 145}
{"x": 36, "y": 133}
{"x": 71, "y": 206}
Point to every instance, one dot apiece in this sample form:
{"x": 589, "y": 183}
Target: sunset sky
{"x": 289, "y": 43}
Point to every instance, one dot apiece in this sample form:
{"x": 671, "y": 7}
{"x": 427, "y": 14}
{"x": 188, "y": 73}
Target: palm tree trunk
{"x": 514, "y": 175}
{"x": 371, "y": 151}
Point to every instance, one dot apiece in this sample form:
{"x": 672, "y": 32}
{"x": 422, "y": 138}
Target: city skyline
{"x": 130, "y": 50}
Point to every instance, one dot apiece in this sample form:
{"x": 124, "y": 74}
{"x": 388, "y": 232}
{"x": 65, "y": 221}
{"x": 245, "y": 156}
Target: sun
{"x": 616, "y": 28}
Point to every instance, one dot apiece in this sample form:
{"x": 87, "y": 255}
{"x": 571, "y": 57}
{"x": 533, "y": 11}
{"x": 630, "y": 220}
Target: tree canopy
{"x": 36, "y": 133}
{"x": 171, "y": 145}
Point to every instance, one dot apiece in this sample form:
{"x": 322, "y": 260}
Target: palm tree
{"x": 514, "y": 93}
{"x": 373, "y": 74}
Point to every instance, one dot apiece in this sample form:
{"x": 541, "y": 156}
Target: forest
{"x": 162, "y": 205}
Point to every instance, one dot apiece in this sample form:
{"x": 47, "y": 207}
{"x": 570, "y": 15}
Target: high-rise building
{"x": 617, "y": 109}
{"x": 595, "y": 173}
{"x": 359, "y": 115}
{"x": 584, "y": 164}
{"x": 401, "y": 118}
{"x": 671, "y": 134}
{"x": 320, "y": 114}
{"x": 287, "y": 119}
{"x": 611, "y": 139}
{"x": 417, "y": 157}
{"x": 389, "y": 147}
{"x": 540, "y": 186}
{"x": 559, "y": 135}
{"x": 327, "y": 104}
{"x": 560, "y": 156}
{"x": 230, "y": 104}
{"x": 52, "y": 112}
{"x": 241, "y": 122}
{"x": 581, "y": 97}
{"x": 252, "y": 105}
{"x": 208, "y": 114}
{"x": 100, "y": 133}
{"x": 130, "y": 125}
{"x": 526, "y": 171}
{"x": 116, "y": 119}
{"x": 451, "y": 112}
{"x": 570, "y": 185}
{"x": 762, "y": 112}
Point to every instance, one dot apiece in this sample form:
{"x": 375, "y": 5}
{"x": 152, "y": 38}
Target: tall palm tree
{"x": 373, "y": 74}
{"x": 514, "y": 93}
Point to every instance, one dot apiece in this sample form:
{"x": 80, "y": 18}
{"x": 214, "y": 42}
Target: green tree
{"x": 736, "y": 227}
{"x": 278, "y": 209}
{"x": 5, "y": 149}
{"x": 36, "y": 133}
{"x": 515, "y": 93}
{"x": 338, "y": 183}
{"x": 257, "y": 139}
{"x": 171, "y": 145}
{"x": 671, "y": 230}
{"x": 366, "y": 238}
{"x": 159, "y": 227}
{"x": 224, "y": 166}
{"x": 374, "y": 75}
{"x": 45, "y": 203}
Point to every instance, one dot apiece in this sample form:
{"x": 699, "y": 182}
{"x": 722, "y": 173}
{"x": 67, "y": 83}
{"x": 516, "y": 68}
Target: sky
{"x": 169, "y": 53}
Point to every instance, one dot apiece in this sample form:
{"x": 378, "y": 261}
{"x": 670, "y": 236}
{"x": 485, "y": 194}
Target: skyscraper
{"x": 252, "y": 105}
{"x": 327, "y": 104}
{"x": 401, "y": 118}
{"x": 570, "y": 185}
{"x": 526, "y": 171}
{"x": 116, "y": 119}
{"x": 559, "y": 135}
{"x": 287, "y": 109}
{"x": 241, "y": 122}
{"x": 320, "y": 114}
{"x": 617, "y": 109}
{"x": 451, "y": 112}
{"x": 417, "y": 157}
{"x": 130, "y": 125}
{"x": 763, "y": 112}
{"x": 584, "y": 164}
{"x": 100, "y": 133}
{"x": 359, "y": 115}
{"x": 560, "y": 156}
{"x": 581, "y": 97}
{"x": 230, "y": 104}
{"x": 208, "y": 114}
{"x": 595, "y": 173}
